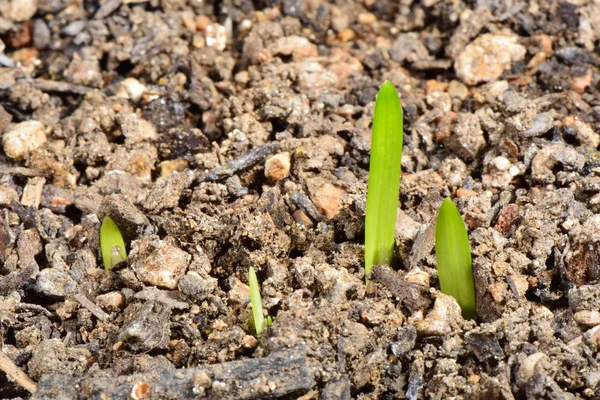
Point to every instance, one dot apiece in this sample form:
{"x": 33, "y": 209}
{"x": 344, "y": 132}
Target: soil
{"x": 233, "y": 134}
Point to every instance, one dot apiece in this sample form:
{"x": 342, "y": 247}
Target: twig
{"x": 14, "y": 373}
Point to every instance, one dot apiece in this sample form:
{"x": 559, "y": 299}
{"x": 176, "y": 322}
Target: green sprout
{"x": 453, "y": 254}
{"x": 111, "y": 244}
{"x": 384, "y": 178}
{"x": 257, "y": 310}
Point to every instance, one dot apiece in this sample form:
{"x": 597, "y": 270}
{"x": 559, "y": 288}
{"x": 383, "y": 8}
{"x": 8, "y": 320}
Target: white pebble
{"x": 23, "y": 138}
{"x": 501, "y": 163}
{"x": 132, "y": 89}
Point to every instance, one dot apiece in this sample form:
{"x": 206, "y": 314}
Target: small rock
{"x": 467, "y": 138}
{"x": 588, "y": 318}
{"x": 418, "y": 277}
{"x": 216, "y": 36}
{"x": 166, "y": 194}
{"x": 112, "y": 301}
{"x": 136, "y": 129}
{"x": 18, "y": 10}
{"x": 530, "y": 126}
{"x": 7, "y": 195}
{"x": 366, "y": 18}
{"x": 462, "y": 193}
{"x": 53, "y": 357}
{"x": 581, "y": 82}
{"x": 547, "y": 158}
{"x": 196, "y": 288}
{"x": 171, "y": 298}
{"x": 249, "y": 342}
{"x": 146, "y": 326}
{"x": 159, "y": 262}
{"x": 404, "y": 234}
{"x": 530, "y": 366}
{"x": 486, "y": 58}
{"x": 132, "y": 89}
{"x": 169, "y": 167}
{"x": 277, "y": 167}
{"x": 490, "y": 92}
{"x": 131, "y": 222}
{"x": 412, "y": 296}
{"x": 325, "y": 196}
{"x": 501, "y": 163}
{"x": 457, "y": 90}
{"x": 443, "y": 319}
{"x": 56, "y": 199}
{"x": 85, "y": 68}
{"x": 54, "y": 283}
{"x": 239, "y": 292}
{"x": 405, "y": 341}
{"x": 583, "y": 131}
{"x": 298, "y": 47}
{"x": 23, "y": 138}
{"x": 5, "y": 117}
{"x": 32, "y": 193}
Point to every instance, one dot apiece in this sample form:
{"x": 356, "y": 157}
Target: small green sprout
{"x": 384, "y": 178}
{"x": 111, "y": 244}
{"x": 257, "y": 310}
{"x": 453, "y": 254}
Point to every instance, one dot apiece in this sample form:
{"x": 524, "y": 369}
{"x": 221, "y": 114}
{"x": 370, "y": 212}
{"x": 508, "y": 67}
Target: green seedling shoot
{"x": 257, "y": 310}
{"x": 384, "y": 178}
{"x": 453, "y": 254}
{"x": 111, "y": 244}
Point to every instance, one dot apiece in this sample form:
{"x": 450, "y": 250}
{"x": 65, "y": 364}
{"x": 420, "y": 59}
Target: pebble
{"x": 487, "y": 57}
{"x": 501, "y": 163}
{"x": 55, "y": 283}
{"x": 325, "y": 196}
{"x": 158, "y": 262}
{"x": 216, "y": 36}
{"x": 457, "y": 90}
{"x": 529, "y": 367}
{"x": 112, "y": 301}
{"x": 239, "y": 292}
{"x": 18, "y": 10}
{"x": 460, "y": 193}
{"x": 196, "y": 288}
{"x": 297, "y": 46}
{"x": 32, "y": 193}
{"x": 443, "y": 319}
{"x": 7, "y": 195}
{"x": 580, "y": 83}
{"x": 277, "y": 167}
{"x": 249, "y": 342}
{"x": 366, "y": 18}
{"x": 418, "y": 277}
{"x": 52, "y": 356}
{"x": 132, "y": 89}
{"x": 588, "y": 318}
{"x": 169, "y": 167}
{"x": 583, "y": 131}
{"x": 23, "y": 138}
{"x": 467, "y": 138}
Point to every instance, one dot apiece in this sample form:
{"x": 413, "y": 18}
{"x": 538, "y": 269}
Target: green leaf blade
{"x": 453, "y": 255}
{"x": 256, "y": 301}
{"x": 112, "y": 244}
{"x": 384, "y": 178}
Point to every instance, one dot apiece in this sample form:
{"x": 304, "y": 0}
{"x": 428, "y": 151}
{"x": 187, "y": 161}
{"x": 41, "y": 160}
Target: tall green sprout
{"x": 453, "y": 254}
{"x": 257, "y": 310}
{"x": 111, "y": 244}
{"x": 384, "y": 178}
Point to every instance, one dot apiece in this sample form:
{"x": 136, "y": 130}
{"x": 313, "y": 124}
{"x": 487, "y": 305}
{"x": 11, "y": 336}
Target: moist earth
{"x": 233, "y": 134}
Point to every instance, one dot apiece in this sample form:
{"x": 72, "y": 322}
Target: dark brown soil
{"x": 233, "y": 134}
